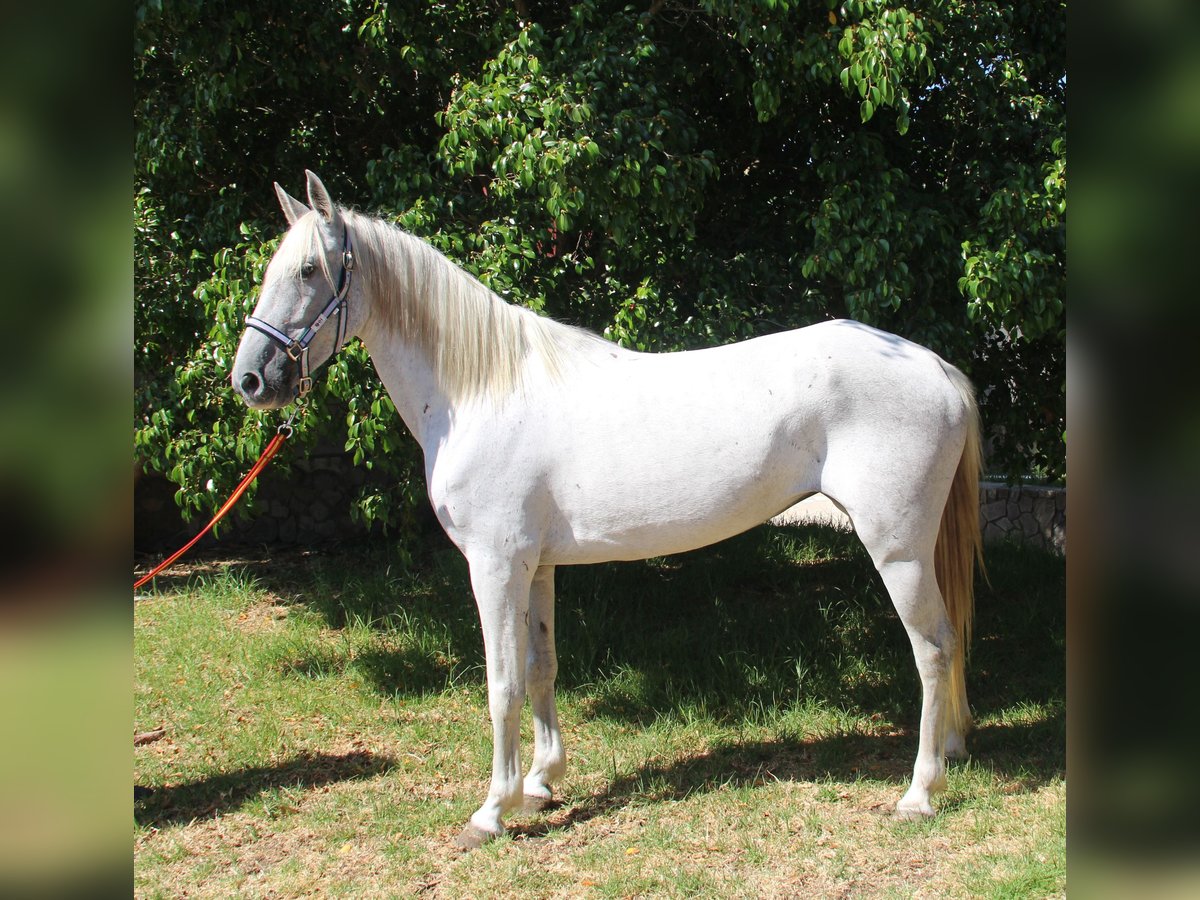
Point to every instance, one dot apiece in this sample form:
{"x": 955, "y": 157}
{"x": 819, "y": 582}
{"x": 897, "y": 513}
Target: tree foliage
{"x": 673, "y": 174}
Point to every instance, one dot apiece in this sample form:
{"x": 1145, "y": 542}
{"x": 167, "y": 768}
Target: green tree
{"x": 673, "y": 174}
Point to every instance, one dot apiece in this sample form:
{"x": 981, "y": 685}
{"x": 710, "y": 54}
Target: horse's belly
{"x": 591, "y": 541}
{"x": 668, "y": 500}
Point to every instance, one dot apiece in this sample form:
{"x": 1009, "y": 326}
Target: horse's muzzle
{"x": 263, "y": 376}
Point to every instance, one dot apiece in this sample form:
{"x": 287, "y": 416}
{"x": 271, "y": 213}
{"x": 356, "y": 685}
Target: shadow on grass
{"x": 770, "y": 617}
{"x": 228, "y": 791}
{"x": 841, "y": 758}
{"x": 759, "y": 623}
{"x": 405, "y": 672}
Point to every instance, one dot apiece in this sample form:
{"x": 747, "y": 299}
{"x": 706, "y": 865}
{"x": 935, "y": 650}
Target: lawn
{"x": 739, "y": 722}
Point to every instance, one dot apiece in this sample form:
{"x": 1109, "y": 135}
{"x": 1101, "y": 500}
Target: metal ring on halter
{"x": 285, "y": 428}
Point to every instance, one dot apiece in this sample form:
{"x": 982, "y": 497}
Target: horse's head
{"x": 301, "y": 317}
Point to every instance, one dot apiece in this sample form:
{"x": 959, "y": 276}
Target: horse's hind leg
{"x": 549, "y": 760}
{"x": 914, "y": 592}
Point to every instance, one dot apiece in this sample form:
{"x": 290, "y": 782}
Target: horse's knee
{"x": 504, "y": 696}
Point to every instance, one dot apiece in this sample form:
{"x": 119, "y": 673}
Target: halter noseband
{"x": 297, "y": 348}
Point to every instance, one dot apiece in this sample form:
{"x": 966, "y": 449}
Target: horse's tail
{"x": 959, "y": 546}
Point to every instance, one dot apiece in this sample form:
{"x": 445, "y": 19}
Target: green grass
{"x": 738, "y": 723}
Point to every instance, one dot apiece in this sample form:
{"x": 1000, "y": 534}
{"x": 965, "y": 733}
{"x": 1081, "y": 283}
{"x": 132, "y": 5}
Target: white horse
{"x": 547, "y": 445}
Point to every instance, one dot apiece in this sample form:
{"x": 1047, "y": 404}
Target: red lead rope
{"x": 275, "y": 443}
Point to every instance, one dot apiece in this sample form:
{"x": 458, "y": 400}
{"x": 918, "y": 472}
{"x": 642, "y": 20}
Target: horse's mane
{"x": 477, "y": 343}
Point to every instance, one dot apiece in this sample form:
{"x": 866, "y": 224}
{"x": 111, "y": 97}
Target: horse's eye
{"x": 306, "y": 269}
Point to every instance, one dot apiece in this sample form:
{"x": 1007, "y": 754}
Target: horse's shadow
{"x": 838, "y": 758}
{"x": 756, "y": 630}
{"x": 225, "y": 792}
{"x": 728, "y": 627}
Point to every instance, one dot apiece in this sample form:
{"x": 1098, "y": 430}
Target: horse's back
{"x": 837, "y": 380}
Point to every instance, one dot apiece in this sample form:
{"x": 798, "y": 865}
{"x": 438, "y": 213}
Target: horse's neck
{"x": 411, "y": 384}
{"x": 404, "y": 367}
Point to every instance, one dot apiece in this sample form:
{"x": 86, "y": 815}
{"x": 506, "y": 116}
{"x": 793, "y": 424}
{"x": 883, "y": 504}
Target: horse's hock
{"x": 1030, "y": 514}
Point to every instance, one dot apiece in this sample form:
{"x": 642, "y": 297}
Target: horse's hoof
{"x": 472, "y": 837}
{"x": 533, "y": 805}
{"x": 914, "y": 812}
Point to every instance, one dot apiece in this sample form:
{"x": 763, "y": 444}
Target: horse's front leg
{"x": 501, "y": 589}
{"x": 549, "y": 760}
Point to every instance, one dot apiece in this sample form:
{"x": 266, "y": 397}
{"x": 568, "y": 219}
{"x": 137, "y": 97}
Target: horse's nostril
{"x": 250, "y": 384}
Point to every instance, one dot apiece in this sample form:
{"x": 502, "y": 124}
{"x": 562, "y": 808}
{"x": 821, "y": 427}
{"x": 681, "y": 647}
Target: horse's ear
{"x": 293, "y": 209}
{"x": 318, "y": 197}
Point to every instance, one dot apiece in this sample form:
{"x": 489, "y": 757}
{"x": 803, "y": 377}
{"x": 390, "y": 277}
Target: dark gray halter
{"x": 297, "y": 348}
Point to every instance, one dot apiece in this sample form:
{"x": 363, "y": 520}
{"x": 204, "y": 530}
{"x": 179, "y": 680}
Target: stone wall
{"x": 311, "y": 506}
{"x": 1029, "y": 513}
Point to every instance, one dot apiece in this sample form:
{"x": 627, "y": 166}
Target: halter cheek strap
{"x": 297, "y": 348}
